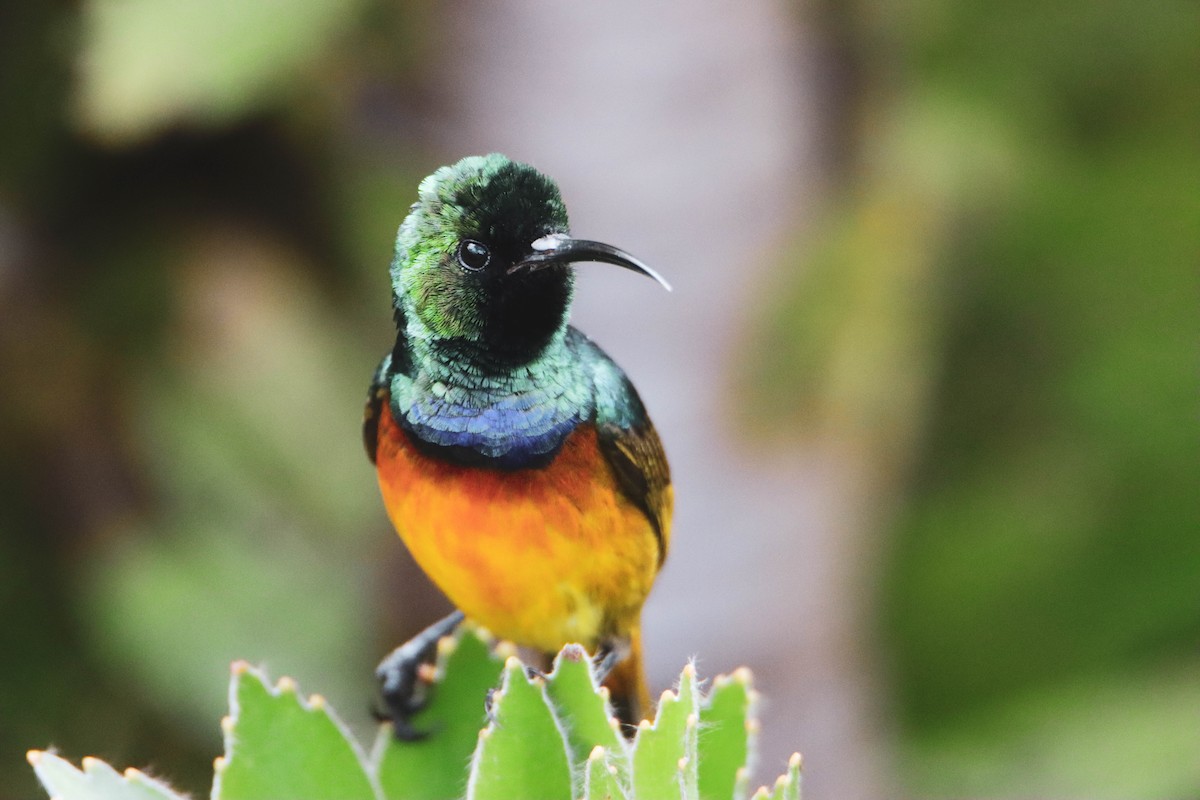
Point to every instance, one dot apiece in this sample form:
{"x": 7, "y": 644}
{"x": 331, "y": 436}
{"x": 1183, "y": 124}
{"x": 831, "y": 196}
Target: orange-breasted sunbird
{"x": 515, "y": 459}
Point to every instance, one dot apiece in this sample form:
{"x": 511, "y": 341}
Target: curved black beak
{"x": 558, "y": 248}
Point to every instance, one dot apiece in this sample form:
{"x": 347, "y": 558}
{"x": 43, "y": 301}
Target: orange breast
{"x": 539, "y": 556}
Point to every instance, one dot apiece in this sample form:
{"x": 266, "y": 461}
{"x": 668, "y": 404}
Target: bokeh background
{"x": 927, "y": 380}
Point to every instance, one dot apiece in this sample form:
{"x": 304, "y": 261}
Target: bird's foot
{"x": 489, "y": 700}
{"x": 608, "y": 655}
{"x": 405, "y": 676}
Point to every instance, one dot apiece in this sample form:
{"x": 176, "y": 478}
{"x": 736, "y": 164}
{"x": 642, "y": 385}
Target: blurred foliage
{"x": 147, "y": 63}
{"x": 1000, "y": 317}
{"x": 181, "y": 466}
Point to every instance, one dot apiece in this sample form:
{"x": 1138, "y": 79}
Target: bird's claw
{"x": 489, "y": 701}
{"x": 402, "y": 727}
{"x": 402, "y": 690}
{"x": 606, "y": 657}
{"x": 405, "y": 677}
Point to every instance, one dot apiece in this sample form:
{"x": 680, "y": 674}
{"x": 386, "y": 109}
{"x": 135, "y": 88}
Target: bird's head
{"x": 484, "y": 256}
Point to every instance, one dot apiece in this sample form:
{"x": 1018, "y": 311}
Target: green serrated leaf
{"x": 724, "y": 742}
{"x": 787, "y": 785}
{"x": 97, "y": 780}
{"x": 435, "y": 768}
{"x": 277, "y": 745}
{"x": 522, "y": 753}
{"x": 583, "y": 713}
{"x": 664, "y": 754}
{"x": 602, "y": 779}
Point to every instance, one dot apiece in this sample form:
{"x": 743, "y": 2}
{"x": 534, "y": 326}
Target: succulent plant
{"x": 538, "y": 736}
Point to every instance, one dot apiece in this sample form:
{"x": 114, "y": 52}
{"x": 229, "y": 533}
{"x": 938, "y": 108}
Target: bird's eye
{"x": 473, "y": 255}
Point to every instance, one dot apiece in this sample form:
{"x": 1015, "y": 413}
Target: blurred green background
{"x": 988, "y": 308}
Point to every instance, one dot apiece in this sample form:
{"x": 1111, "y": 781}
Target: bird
{"x": 514, "y": 457}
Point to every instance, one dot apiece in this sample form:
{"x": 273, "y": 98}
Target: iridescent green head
{"x": 485, "y": 257}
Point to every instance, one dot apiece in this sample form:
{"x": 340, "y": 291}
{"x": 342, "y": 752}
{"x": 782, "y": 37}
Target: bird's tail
{"x": 628, "y": 691}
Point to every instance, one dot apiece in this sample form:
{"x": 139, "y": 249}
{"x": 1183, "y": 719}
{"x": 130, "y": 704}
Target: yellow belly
{"x": 539, "y": 556}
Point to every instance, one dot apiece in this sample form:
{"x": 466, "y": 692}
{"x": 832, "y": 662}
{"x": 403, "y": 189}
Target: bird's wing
{"x": 377, "y": 395}
{"x": 628, "y": 440}
{"x": 399, "y": 361}
{"x": 640, "y": 465}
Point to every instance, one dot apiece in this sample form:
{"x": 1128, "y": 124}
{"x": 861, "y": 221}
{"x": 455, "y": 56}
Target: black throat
{"x": 524, "y": 313}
